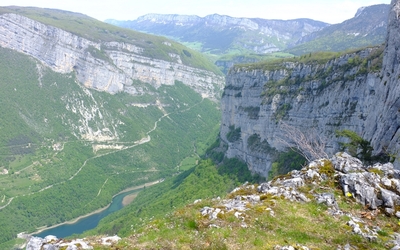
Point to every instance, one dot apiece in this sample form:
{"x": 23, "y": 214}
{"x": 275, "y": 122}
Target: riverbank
{"x": 125, "y": 202}
{"x": 128, "y": 199}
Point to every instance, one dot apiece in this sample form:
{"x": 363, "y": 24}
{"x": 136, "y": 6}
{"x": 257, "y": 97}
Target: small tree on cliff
{"x": 356, "y": 145}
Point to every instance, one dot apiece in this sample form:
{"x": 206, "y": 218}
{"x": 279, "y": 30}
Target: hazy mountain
{"x": 219, "y": 34}
{"x": 242, "y": 40}
{"x": 366, "y": 28}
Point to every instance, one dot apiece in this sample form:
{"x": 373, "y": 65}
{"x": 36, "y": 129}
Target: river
{"x": 90, "y": 221}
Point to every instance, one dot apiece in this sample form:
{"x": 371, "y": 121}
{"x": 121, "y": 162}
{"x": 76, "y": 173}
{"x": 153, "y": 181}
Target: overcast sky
{"x": 330, "y": 11}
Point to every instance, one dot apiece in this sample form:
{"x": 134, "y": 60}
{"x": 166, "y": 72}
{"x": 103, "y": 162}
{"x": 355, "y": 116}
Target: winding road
{"x": 144, "y": 140}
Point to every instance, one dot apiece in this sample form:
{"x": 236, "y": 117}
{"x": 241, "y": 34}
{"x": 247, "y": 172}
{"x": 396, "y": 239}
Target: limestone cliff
{"x": 104, "y": 66}
{"x": 352, "y": 91}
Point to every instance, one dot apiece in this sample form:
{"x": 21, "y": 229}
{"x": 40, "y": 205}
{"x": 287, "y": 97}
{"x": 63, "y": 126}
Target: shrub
{"x": 233, "y": 134}
{"x": 357, "y": 146}
{"x": 254, "y": 143}
{"x": 286, "y": 162}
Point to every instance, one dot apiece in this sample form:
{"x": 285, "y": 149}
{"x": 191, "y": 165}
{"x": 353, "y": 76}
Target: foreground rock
{"x": 51, "y": 242}
{"x": 375, "y": 187}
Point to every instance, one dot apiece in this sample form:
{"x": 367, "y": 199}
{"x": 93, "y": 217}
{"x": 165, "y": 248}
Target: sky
{"x": 329, "y": 11}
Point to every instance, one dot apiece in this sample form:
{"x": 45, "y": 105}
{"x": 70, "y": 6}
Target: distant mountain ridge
{"x": 220, "y": 34}
{"x": 225, "y": 36}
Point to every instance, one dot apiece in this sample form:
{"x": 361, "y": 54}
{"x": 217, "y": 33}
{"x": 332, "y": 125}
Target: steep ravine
{"x": 316, "y": 96}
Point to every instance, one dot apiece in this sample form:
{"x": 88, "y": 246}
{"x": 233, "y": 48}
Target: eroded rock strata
{"x": 113, "y": 72}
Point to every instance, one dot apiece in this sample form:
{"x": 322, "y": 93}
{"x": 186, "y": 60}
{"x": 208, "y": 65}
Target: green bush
{"x": 233, "y": 134}
{"x": 360, "y": 148}
{"x": 254, "y": 143}
{"x": 285, "y": 162}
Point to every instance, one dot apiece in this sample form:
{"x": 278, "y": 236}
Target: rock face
{"x": 316, "y": 98}
{"x": 387, "y": 122}
{"x": 104, "y": 66}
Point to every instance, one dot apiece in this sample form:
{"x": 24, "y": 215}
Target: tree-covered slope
{"x": 66, "y": 150}
{"x": 205, "y": 180}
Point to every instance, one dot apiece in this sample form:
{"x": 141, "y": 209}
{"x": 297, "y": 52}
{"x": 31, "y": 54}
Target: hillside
{"x": 85, "y": 118}
{"x": 336, "y": 203}
{"x": 328, "y": 204}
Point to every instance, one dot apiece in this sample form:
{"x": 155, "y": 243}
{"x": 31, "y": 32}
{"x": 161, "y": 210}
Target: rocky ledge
{"x": 376, "y": 188}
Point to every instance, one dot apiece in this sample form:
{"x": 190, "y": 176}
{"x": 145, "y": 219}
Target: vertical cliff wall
{"x": 357, "y": 91}
{"x": 104, "y": 66}
{"x": 387, "y": 122}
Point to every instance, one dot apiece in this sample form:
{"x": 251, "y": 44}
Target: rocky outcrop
{"x": 316, "y": 97}
{"x": 53, "y": 243}
{"x": 104, "y": 66}
{"x": 375, "y": 187}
